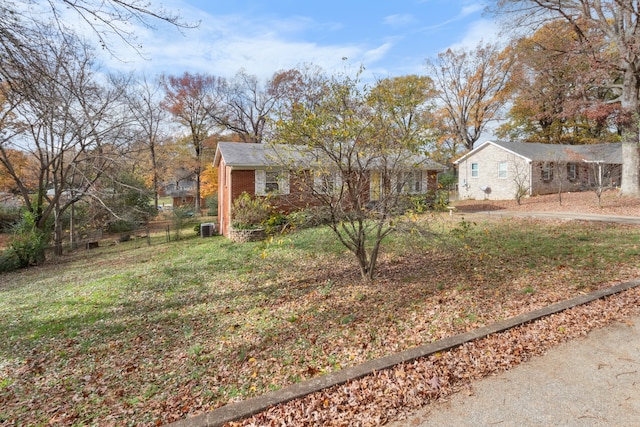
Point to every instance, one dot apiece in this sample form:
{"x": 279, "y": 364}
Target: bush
{"x": 433, "y": 200}
{"x": 447, "y": 179}
{"x": 9, "y": 261}
{"x": 250, "y": 212}
{"x": 181, "y": 215}
{"x": 9, "y": 217}
{"x": 121, "y": 226}
{"x": 29, "y": 242}
{"x": 212, "y": 203}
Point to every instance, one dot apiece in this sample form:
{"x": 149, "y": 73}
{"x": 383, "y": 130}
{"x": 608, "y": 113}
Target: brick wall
{"x": 518, "y": 173}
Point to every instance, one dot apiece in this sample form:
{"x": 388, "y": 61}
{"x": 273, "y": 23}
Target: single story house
{"x": 261, "y": 169}
{"x": 497, "y": 170}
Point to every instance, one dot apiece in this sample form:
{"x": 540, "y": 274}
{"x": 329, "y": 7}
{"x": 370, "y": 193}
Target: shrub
{"x": 121, "y": 226}
{"x": 181, "y": 215}
{"x": 8, "y": 218}
{"x": 212, "y": 203}
{"x": 30, "y": 242}
{"x": 9, "y": 261}
{"x": 250, "y": 212}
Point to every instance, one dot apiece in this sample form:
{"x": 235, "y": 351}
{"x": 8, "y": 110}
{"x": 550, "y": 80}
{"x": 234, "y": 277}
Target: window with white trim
{"x": 271, "y": 181}
{"x": 413, "y": 182}
{"x": 547, "y": 171}
{"x": 502, "y": 170}
{"x": 325, "y": 182}
{"x": 474, "y": 170}
{"x": 572, "y": 171}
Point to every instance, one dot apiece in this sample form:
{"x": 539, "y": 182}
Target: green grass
{"x": 130, "y": 331}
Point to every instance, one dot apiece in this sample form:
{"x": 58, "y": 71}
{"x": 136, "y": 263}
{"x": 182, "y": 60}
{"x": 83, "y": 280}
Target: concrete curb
{"x": 247, "y": 408}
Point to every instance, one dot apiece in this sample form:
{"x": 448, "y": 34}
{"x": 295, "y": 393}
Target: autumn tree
{"x": 192, "y": 100}
{"x": 616, "y": 22}
{"x": 351, "y": 131}
{"x": 558, "y": 92}
{"x": 472, "y": 89}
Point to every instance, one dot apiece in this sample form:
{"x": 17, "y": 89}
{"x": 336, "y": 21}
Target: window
{"x": 271, "y": 181}
{"x": 502, "y": 169}
{"x": 409, "y": 182}
{"x": 413, "y": 181}
{"x": 474, "y": 170}
{"x": 547, "y": 171}
{"x": 572, "y": 171}
{"x": 326, "y": 182}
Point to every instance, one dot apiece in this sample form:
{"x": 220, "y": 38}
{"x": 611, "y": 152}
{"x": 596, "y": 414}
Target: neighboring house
{"x": 496, "y": 170}
{"x": 182, "y": 189}
{"x": 261, "y": 169}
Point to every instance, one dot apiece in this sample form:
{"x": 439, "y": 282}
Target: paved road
{"x": 566, "y": 216}
{"x": 592, "y": 381}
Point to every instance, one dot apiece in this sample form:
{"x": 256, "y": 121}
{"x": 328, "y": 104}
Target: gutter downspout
{"x": 530, "y": 177}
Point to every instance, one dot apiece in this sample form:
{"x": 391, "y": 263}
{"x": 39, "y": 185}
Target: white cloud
{"x": 399, "y": 21}
{"x": 222, "y": 45}
{"x": 374, "y": 55}
{"x": 471, "y": 9}
{"x": 482, "y": 30}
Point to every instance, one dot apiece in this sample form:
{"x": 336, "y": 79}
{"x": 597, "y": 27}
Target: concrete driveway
{"x": 593, "y": 381}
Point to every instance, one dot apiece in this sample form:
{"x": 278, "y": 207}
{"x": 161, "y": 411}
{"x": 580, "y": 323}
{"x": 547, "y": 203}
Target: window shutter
{"x": 424, "y": 177}
{"x": 317, "y": 183}
{"x": 283, "y": 183}
{"x": 260, "y": 182}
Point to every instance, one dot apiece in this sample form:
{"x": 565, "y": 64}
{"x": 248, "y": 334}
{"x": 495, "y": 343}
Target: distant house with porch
{"x": 497, "y": 170}
{"x": 182, "y": 188}
{"x": 262, "y": 169}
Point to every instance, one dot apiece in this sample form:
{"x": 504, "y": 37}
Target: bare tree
{"x": 74, "y": 127}
{"x": 144, "y": 99}
{"x": 107, "y": 19}
{"x": 472, "y": 89}
{"x": 520, "y": 177}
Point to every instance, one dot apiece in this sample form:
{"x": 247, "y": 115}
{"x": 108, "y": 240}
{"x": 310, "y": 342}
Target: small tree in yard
{"x": 520, "y": 181}
{"x": 359, "y": 145}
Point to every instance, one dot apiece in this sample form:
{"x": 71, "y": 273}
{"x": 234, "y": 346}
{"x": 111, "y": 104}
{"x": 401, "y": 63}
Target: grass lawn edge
{"x": 252, "y": 406}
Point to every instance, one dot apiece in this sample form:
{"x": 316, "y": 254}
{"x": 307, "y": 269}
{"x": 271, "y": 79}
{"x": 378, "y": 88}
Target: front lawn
{"x": 154, "y": 334}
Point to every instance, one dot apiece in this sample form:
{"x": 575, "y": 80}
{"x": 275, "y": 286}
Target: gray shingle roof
{"x": 248, "y": 155}
{"x": 611, "y": 153}
{"x": 238, "y": 154}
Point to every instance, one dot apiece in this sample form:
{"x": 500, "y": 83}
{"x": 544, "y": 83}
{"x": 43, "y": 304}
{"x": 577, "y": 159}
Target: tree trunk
{"x": 57, "y": 233}
{"x": 630, "y": 185}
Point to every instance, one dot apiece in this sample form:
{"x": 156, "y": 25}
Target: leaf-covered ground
{"x": 153, "y": 335}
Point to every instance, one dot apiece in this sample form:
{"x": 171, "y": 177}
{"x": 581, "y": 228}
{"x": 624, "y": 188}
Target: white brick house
{"x": 496, "y": 170}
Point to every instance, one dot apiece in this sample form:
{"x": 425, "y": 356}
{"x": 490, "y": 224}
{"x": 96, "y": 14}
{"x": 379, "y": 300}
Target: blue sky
{"x": 388, "y": 37}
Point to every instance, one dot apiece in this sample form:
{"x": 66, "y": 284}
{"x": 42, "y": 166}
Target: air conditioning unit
{"x": 207, "y": 229}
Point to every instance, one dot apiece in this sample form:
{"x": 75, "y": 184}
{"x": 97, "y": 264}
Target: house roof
{"x": 610, "y": 153}
{"x": 250, "y": 155}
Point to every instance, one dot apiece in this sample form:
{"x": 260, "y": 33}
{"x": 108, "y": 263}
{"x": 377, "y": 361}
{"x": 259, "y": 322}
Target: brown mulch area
{"x": 611, "y": 203}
